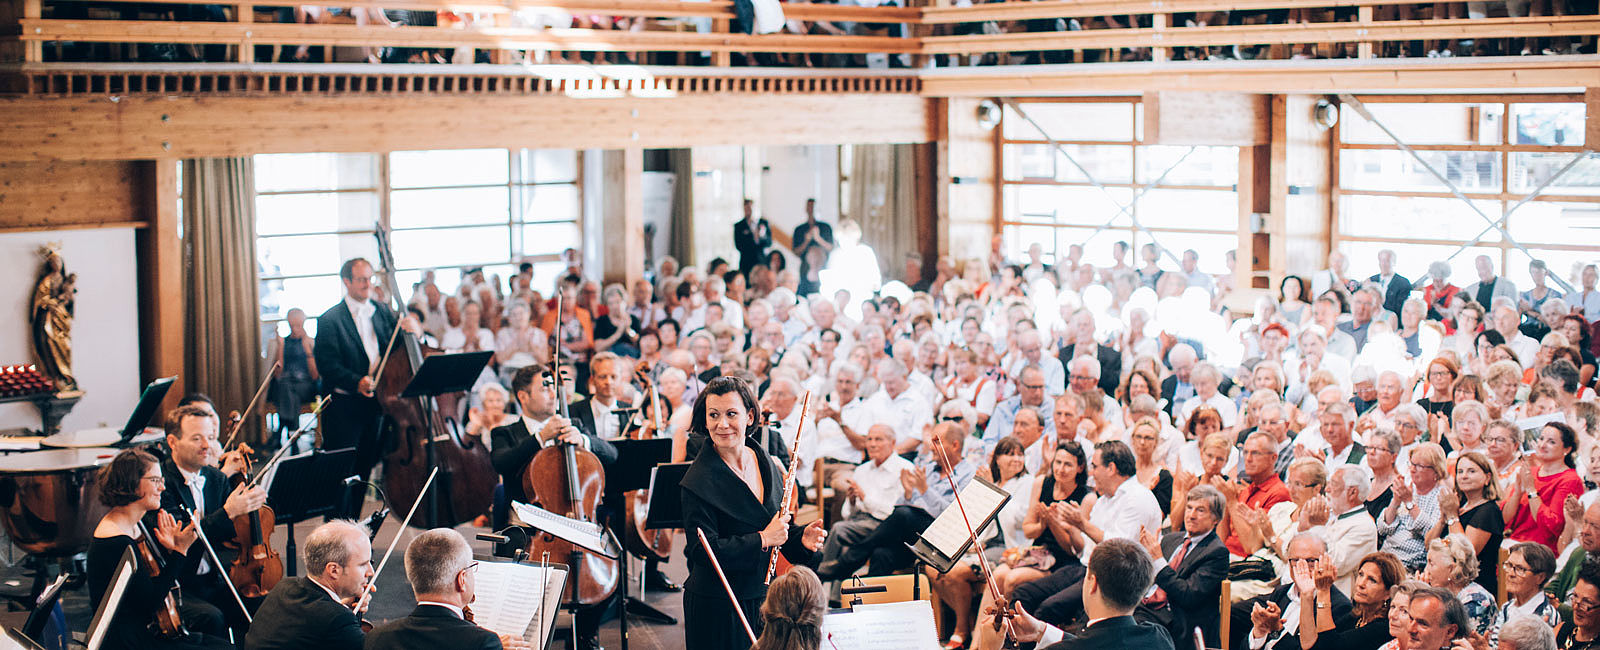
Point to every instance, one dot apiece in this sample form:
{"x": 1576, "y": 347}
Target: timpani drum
{"x": 50, "y": 499}
{"x": 88, "y": 438}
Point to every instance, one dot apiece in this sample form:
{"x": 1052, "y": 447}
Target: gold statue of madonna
{"x": 54, "y": 298}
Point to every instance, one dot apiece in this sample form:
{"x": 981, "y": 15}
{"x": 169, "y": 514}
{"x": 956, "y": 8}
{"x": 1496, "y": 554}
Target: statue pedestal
{"x": 52, "y": 407}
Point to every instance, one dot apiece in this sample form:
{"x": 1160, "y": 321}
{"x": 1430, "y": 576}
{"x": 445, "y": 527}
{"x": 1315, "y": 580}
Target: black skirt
{"x": 711, "y": 623}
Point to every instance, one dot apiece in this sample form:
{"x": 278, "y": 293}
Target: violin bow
{"x": 789, "y": 483}
{"x": 406, "y": 522}
{"x": 1003, "y": 615}
{"x": 316, "y": 417}
{"x": 259, "y": 390}
{"x": 216, "y": 562}
{"x": 732, "y": 600}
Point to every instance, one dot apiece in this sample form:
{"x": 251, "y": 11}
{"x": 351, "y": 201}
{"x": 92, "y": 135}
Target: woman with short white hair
{"x": 1452, "y": 565}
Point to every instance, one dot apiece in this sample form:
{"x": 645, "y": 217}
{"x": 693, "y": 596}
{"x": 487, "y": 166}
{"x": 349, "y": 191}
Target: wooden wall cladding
{"x": 145, "y": 127}
{"x": 1207, "y": 118}
{"x": 55, "y": 195}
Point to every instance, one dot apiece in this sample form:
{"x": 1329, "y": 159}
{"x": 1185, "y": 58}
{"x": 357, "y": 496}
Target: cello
{"x": 649, "y": 543}
{"x": 422, "y": 438}
{"x": 569, "y": 481}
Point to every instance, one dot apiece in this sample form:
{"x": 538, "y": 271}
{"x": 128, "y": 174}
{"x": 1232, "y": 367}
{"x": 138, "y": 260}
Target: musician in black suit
{"x": 752, "y": 237}
{"x": 1395, "y": 287}
{"x": 1270, "y": 622}
{"x": 1191, "y": 564}
{"x": 1119, "y": 575}
{"x": 441, "y": 571}
{"x": 732, "y": 493}
{"x": 541, "y": 426}
{"x": 352, "y": 337}
{"x": 597, "y": 413}
{"x": 193, "y": 484}
{"x": 321, "y": 610}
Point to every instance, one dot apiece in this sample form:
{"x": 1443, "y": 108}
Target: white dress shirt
{"x": 907, "y": 413}
{"x": 1218, "y": 401}
{"x": 535, "y": 425}
{"x": 1526, "y": 348}
{"x": 1290, "y": 619}
{"x": 361, "y": 312}
{"x": 197, "y": 488}
{"x": 606, "y": 422}
{"x": 979, "y": 393}
{"x": 880, "y": 487}
{"x": 1589, "y": 302}
{"x": 453, "y": 609}
{"x": 1123, "y": 514}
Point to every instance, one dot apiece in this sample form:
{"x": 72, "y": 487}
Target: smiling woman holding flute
{"x": 733, "y": 493}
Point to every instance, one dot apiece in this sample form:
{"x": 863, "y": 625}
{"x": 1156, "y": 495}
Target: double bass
{"x": 570, "y": 481}
{"x": 466, "y": 476}
{"x": 649, "y": 543}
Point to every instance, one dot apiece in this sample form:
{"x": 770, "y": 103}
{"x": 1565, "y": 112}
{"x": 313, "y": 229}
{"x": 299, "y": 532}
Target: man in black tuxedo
{"x": 351, "y": 340}
{"x": 1081, "y": 332}
{"x": 1119, "y": 575}
{"x": 1394, "y": 287}
{"x": 194, "y": 485}
{"x": 323, "y": 609}
{"x": 813, "y": 240}
{"x": 1270, "y": 622}
{"x": 1191, "y": 565}
{"x": 517, "y": 443}
{"x": 597, "y": 413}
{"x": 441, "y": 571}
{"x": 752, "y": 237}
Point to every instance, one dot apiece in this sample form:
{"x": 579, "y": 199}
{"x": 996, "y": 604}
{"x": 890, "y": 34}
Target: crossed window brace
{"x": 1493, "y": 224}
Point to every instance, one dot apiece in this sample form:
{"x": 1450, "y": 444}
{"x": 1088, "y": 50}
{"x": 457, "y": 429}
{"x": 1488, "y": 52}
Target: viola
{"x": 569, "y": 481}
{"x": 168, "y": 623}
{"x": 640, "y": 540}
{"x": 258, "y": 568}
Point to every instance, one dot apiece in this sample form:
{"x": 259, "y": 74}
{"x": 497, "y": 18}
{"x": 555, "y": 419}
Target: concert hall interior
{"x": 799, "y": 324}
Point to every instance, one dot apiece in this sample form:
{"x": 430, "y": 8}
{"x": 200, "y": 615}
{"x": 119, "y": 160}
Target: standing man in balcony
{"x": 752, "y": 237}
{"x": 813, "y": 240}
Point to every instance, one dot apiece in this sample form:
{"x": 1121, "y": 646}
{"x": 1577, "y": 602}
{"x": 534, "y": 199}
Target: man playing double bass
{"x": 352, "y": 338}
{"x": 195, "y": 485}
{"x": 541, "y": 426}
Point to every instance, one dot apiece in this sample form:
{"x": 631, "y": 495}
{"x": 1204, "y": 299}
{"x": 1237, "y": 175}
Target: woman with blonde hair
{"x": 792, "y": 613}
{"x": 1452, "y": 565}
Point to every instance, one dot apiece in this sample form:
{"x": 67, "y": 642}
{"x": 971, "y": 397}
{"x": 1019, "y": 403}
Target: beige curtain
{"x": 883, "y": 201}
{"x": 222, "y": 319}
{"x": 680, "y": 236}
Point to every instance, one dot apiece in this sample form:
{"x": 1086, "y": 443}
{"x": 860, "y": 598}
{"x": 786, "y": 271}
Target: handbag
{"x": 1035, "y": 557}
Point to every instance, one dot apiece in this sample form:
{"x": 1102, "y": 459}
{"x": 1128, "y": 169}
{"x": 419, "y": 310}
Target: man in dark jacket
{"x": 1190, "y": 566}
{"x": 323, "y": 609}
{"x": 1119, "y": 575}
{"x": 441, "y": 571}
{"x": 752, "y": 237}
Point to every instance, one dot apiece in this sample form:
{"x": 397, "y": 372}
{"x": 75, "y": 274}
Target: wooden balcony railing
{"x": 40, "y": 28}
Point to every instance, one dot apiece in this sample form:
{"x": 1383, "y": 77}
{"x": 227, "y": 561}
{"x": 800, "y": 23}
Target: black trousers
{"x": 885, "y": 548}
{"x": 352, "y": 422}
{"x": 1057, "y": 598}
{"x": 709, "y": 621}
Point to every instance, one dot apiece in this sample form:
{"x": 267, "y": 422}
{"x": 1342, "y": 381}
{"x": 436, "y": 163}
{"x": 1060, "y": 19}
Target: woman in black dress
{"x": 732, "y": 493}
{"x": 1370, "y": 594}
{"x": 131, "y": 485}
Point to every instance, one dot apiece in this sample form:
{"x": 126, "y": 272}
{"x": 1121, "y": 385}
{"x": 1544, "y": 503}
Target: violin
{"x": 258, "y": 567}
{"x": 168, "y": 623}
{"x": 569, "y": 481}
{"x": 646, "y": 542}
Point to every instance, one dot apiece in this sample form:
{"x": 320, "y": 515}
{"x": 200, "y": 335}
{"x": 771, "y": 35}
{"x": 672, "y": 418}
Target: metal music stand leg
{"x": 289, "y": 550}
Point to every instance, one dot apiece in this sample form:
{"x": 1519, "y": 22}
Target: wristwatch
{"x": 1451, "y": 522}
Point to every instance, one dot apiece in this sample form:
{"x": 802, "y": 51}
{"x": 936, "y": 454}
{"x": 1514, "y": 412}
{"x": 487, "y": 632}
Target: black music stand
{"x": 666, "y": 500}
{"x": 307, "y": 486}
{"x": 635, "y": 470}
{"x": 442, "y": 374}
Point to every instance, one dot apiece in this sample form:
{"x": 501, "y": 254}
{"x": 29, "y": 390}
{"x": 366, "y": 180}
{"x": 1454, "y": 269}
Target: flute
{"x": 787, "y": 507}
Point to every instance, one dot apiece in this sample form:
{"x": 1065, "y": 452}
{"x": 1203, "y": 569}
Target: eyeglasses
{"x": 1583, "y": 604}
{"x": 1302, "y": 560}
{"x": 1033, "y": 386}
{"x": 1517, "y": 569}
{"x": 471, "y": 568}
{"x": 1259, "y": 452}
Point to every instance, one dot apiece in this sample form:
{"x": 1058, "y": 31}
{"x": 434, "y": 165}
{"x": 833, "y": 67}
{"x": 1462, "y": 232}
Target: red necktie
{"x": 1160, "y": 596}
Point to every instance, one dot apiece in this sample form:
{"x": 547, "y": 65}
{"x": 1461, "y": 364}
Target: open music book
{"x": 519, "y": 599}
{"x": 890, "y": 626}
{"x": 586, "y": 534}
{"x": 948, "y": 537}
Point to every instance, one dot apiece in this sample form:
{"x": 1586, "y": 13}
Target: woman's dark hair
{"x": 1194, "y": 419}
{"x": 776, "y": 261}
{"x": 724, "y": 386}
{"x": 684, "y": 290}
{"x": 121, "y": 479}
{"x": 1583, "y": 331}
{"x": 1494, "y": 337}
{"x": 1305, "y": 291}
{"x": 1540, "y": 559}
{"x": 1470, "y": 382}
{"x": 1392, "y": 572}
{"x": 1006, "y": 445}
{"x": 1072, "y": 447}
{"x": 1150, "y": 382}
{"x": 792, "y": 612}
{"x": 1569, "y": 439}
{"x": 715, "y": 262}
{"x": 677, "y": 330}
{"x": 1336, "y": 295}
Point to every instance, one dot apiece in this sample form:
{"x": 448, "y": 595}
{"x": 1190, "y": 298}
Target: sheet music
{"x": 948, "y": 532}
{"x": 509, "y": 599}
{"x": 890, "y": 626}
{"x": 587, "y": 534}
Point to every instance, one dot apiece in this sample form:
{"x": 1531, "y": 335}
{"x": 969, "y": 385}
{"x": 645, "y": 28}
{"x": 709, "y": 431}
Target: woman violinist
{"x": 149, "y": 615}
{"x": 732, "y": 492}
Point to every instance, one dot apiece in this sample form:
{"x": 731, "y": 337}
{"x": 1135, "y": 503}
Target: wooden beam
{"x": 1003, "y": 11}
{"x": 1206, "y": 118}
{"x": 1591, "y": 124}
{"x": 76, "y": 194}
{"x": 161, "y": 299}
{"x": 87, "y": 128}
{"x": 622, "y": 212}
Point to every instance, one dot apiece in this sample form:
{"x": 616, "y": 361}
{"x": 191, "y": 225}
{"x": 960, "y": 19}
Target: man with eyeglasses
{"x": 1265, "y": 488}
{"x": 323, "y": 608}
{"x": 1270, "y": 622}
{"x": 1030, "y": 393}
{"x": 1351, "y": 531}
{"x": 1030, "y": 352}
{"x": 1081, "y": 333}
{"x": 1084, "y": 379}
{"x": 1572, "y": 560}
{"x": 1272, "y": 418}
{"x": 443, "y": 576}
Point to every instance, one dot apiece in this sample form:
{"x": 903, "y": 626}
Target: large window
{"x": 1102, "y": 178}
{"x": 448, "y": 210}
{"x": 1496, "y": 153}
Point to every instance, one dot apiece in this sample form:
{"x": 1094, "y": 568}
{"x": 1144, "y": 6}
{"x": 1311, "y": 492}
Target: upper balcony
{"x": 657, "y": 48}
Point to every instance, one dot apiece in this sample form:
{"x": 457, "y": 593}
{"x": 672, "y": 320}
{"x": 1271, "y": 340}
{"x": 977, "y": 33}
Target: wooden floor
{"x": 393, "y": 598}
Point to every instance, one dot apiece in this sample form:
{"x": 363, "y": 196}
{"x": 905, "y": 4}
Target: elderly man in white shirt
{"x": 1085, "y": 379}
{"x": 897, "y": 404}
{"x": 1029, "y": 352}
{"x": 1125, "y": 508}
{"x": 1506, "y": 320}
{"x": 1351, "y": 531}
{"x": 868, "y": 494}
{"x": 1206, "y": 379}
